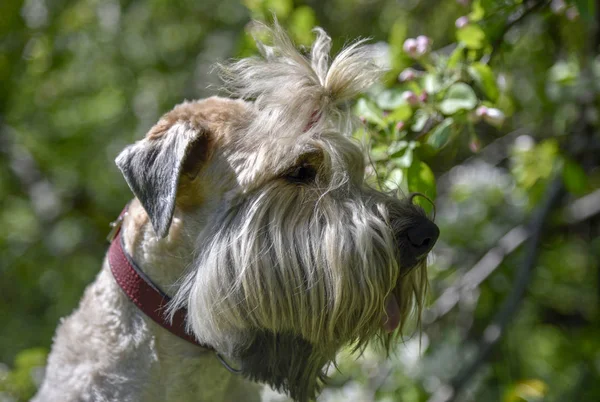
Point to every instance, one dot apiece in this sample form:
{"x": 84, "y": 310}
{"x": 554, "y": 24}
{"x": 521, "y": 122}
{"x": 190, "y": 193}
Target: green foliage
{"x": 479, "y": 119}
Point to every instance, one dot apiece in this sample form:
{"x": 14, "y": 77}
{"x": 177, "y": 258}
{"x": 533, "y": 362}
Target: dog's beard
{"x": 287, "y": 363}
{"x": 289, "y": 276}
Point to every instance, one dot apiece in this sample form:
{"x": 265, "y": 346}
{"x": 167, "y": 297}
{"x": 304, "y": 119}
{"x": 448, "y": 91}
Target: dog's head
{"x": 294, "y": 254}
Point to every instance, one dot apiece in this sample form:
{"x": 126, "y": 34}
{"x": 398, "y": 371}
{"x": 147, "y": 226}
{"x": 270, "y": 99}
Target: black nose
{"x": 423, "y": 236}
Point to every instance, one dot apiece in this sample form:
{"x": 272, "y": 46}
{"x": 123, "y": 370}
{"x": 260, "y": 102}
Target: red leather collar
{"x": 141, "y": 290}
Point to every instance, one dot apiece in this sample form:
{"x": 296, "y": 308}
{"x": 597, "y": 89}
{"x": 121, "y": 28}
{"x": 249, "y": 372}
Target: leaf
{"x": 420, "y": 119}
{"x": 394, "y": 179}
{"x": 390, "y": 99}
{"x": 370, "y": 112}
{"x": 405, "y": 160}
{"x": 397, "y": 148}
{"x": 379, "y": 153}
{"x": 421, "y": 179}
{"x": 587, "y": 9}
{"x": 484, "y": 77}
{"x": 460, "y": 96}
{"x": 574, "y": 177}
{"x": 441, "y": 134}
{"x": 456, "y": 56}
{"x": 432, "y": 83}
{"x": 472, "y": 36}
{"x": 401, "y": 113}
{"x": 477, "y": 11}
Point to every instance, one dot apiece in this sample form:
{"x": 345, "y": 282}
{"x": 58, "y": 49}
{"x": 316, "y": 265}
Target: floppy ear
{"x": 152, "y": 167}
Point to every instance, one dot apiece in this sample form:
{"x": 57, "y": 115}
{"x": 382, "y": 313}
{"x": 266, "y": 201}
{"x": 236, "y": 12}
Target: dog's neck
{"x": 163, "y": 260}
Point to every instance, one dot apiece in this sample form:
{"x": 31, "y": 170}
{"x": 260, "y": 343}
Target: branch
{"x": 495, "y": 330}
{"x": 577, "y": 211}
{"x": 524, "y": 13}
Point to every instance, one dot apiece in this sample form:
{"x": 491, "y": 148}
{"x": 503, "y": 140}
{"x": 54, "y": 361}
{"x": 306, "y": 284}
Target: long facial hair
{"x": 287, "y": 274}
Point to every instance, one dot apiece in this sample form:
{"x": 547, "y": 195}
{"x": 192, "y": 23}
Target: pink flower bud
{"x": 410, "y": 98}
{"x": 407, "y": 74}
{"x": 493, "y": 116}
{"x": 362, "y": 119}
{"x": 481, "y": 111}
{"x": 461, "y": 22}
{"x": 572, "y": 14}
{"x": 410, "y": 47}
{"x": 386, "y": 113}
{"x": 423, "y": 45}
{"x": 463, "y": 2}
{"x": 400, "y": 125}
{"x": 474, "y": 144}
{"x": 558, "y": 6}
{"x": 423, "y": 97}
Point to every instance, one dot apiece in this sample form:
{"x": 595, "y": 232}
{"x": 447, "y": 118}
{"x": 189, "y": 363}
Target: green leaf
{"x": 397, "y": 148}
{"x": 403, "y": 159}
{"x": 460, "y": 96}
{"x": 370, "y": 112}
{"x": 379, "y": 153}
{"x": 574, "y": 177}
{"x": 401, "y": 113}
{"x": 390, "y": 99}
{"x": 432, "y": 83}
{"x": 456, "y": 56}
{"x": 421, "y": 179}
{"x": 441, "y": 134}
{"x": 484, "y": 77}
{"x": 420, "y": 119}
{"x": 394, "y": 179}
{"x": 472, "y": 36}
{"x": 477, "y": 11}
{"x": 587, "y": 9}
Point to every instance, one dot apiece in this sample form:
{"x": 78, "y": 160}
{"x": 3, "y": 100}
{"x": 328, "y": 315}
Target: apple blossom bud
{"x": 572, "y": 14}
{"x": 493, "y": 116}
{"x": 410, "y": 98}
{"x": 423, "y": 96}
{"x": 400, "y": 125}
{"x": 461, "y": 22}
{"x": 475, "y": 145}
{"x": 423, "y": 45}
{"x": 558, "y": 6}
{"x": 408, "y": 74}
{"x": 481, "y": 111}
{"x": 410, "y": 47}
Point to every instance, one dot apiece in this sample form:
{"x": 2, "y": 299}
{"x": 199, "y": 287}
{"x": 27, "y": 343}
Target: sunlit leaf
{"x": 432, "y": 83}
{"x": 460, "y": 96}
{"x": 390, "y": 99}
{"x": 421, "y": 118}
{"x": 421, "y": 179}
{"x": 484, "y": 77}
{"x": 441, "y": 134}
{"x": 370, "y": 112}
{"x": 401, "y": 113}
{"x": 472, "y": 36}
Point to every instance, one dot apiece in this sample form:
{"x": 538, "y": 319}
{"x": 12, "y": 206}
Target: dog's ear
{"x": 152, "y": 166}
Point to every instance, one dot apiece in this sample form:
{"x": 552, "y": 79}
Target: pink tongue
{"x": 391, "y": 322}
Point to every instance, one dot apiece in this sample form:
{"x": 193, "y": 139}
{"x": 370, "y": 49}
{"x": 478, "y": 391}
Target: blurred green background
{"x": 495, "y": 116}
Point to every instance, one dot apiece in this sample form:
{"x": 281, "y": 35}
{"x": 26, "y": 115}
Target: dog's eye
{"x": 301, "y": 174}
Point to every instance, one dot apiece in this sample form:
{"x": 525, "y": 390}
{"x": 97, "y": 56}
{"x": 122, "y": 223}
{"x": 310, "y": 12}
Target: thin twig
{"x": 517, "y": 20}
{"x": 494, "y": 331}
{"x": 577, "y": 211}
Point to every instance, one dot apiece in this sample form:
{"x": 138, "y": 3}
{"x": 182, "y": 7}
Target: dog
{"x": 254, "y": 248}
